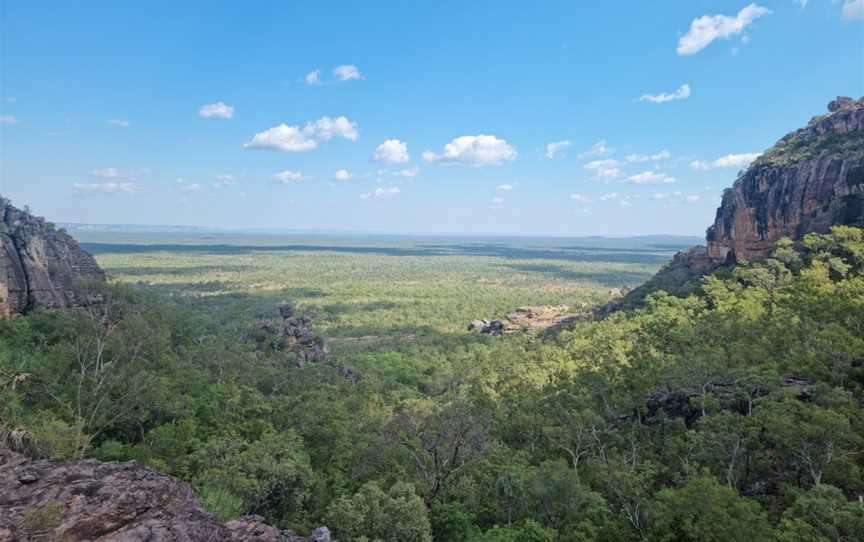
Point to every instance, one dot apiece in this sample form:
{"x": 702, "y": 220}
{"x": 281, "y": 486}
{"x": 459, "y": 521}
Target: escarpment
{"x": 40, "y": 265}
{"x": 810, "y": 180}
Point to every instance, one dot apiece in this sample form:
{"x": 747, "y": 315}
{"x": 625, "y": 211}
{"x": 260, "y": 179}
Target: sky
{"x": 483, "y": 117}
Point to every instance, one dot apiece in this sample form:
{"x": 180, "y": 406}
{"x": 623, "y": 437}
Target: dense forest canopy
{"x": 731, "y": 414}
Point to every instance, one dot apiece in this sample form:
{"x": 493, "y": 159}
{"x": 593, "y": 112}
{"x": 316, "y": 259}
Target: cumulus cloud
{"x": 219, "y": 110}
{"x": 598, "y": 149}
{"x": 497, "y": 200}
{"x": 107, "y": 173}
{"x": 313, "y": 77}
{"x": 107, "y": 188}
{"x": 187, "y": 187}
{"x": 287, "y": 138}
{"x": 224, "y": 179}
{"x": 650, "y": 177}
{"x": 729, "y": 160}
{"x": 479, "y": 150}
{"x": 662, "y": 155}
{"x": 682, "y": 93}
{"x": 381, "y": 193}
{"x": 8, "y": 119}
{"x": 392, "y": 151}
{"x": 618, "y": 197}
{"x": 579, "y": 198}
{"x": 555, "y": 147}
{"x": 706, "y": 29}
{"x": 287, "y": 176}
{"x": 504, "y": 187}
{"x": 408, "y": 172}
{"x": 853, "y": 9}
{"x": 347, "y": 72}
{"x": 604, "y": 169}
{"x": 342, "y": 175}
{"x": 122, "y": 123}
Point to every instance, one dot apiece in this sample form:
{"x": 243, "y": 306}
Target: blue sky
{"x": 173, "y": 112}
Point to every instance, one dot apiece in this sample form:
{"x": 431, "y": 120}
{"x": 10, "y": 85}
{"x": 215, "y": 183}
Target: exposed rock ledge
{"x": 40, "y": 265}
{"x": 95, "y": 501}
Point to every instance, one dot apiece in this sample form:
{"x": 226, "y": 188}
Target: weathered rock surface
{"x": 292, "y": 334}
{"x": 41, "y": 266}
{"x": 94, "y": 501}
{"x": 812, "y": 179}
{"x": 525, "y": 319}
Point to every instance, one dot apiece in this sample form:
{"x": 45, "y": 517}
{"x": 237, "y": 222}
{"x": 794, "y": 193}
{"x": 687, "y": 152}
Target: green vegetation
{"x": 731, "y": 414}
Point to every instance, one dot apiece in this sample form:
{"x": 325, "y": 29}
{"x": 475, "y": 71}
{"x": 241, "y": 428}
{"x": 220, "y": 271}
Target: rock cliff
{"x": 40, "y": 265}
{"x": 94, "y": 501}
{"x": 810, "y": 180}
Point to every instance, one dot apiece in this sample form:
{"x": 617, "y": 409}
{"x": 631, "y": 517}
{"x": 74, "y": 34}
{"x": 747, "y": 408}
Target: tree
{"x": 397, "y": 515}
{"x": 704, "y": 510}
{"x": 823, "y": 514}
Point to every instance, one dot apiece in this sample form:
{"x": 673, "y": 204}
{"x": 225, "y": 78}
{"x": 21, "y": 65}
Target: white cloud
{"x": 219, "y": 110}
{"x": 682, "y": 93}
{"x": 287, "y": 176}
{"x": 188, "y": 188}
{"x": 555, "y": 147}
{"x": 122, "y": 123}
{"x": 729, "y": 160}
{"x": 621, "y": 199}
{"x": 580, "y": 198}
{"x": 392, "y": 151}
{"x": 662, "y": 155}
{"x": 8, "y": 119}
{"x": 342, "y": 175}
{"x": 409, "y": 172}
{"x": 313, "y": 77}
{"x": 294, "y": 139}
{"x": 107, "y": 188}
{"x": 504, "y": 187}
{"x": 497, "y": 200}
{"x": 598, "y": 149}
{"x": 347, "y": 72}
{"x": 604, "y": 169}
{"x": 706, "y": 29}
{"x": 479, "y": 150}
{"x": 853, "y": 9}
{"x": 650, "y": 177}
{"x": 107, "y": 173}
{"x": 224, "y": 180}
{"x": 381, "y": 193}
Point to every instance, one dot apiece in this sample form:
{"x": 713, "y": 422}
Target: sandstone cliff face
{"x": 810, "y": 180}
{"x": 93, "y": 501}
{"x": 40, "y": 266}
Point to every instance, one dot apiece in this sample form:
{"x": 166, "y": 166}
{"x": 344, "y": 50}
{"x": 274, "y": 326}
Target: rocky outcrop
{"x": 811, "y": 180}
{"x": 94, "y": 501}
{"x": 292, "y": 334}
{"x": 526, "y": 319}
{"x": 40, "y": 265}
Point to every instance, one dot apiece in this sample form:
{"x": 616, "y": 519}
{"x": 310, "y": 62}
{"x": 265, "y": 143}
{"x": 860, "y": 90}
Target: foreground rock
{"x": 810, "y": 180}
{"x": 292, "y": 334}
{"x": 41, "y": 266}
{"x": 94, "y": 501}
